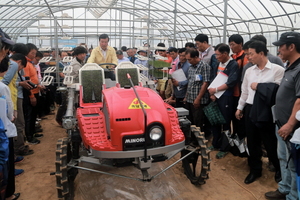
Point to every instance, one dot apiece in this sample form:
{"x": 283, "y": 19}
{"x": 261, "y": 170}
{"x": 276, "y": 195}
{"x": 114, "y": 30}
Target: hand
{"x": 285, "y": 131}
{"x": 169, "y": 100}
{"x": 213, "y": 97}
{"x": 41, "y": 87}
{"x": 33, "y": 101}
{"x": 25, "y": 85}
{"x": 196, "y": 103}
{"x": 253, "y": 86}
{"x": 212, "y": 91}
{"x": 184, "y": 101}
{"x": 15, "y": 114}
{"x": 175, "y": 82}
{"x": 239, "y": 114}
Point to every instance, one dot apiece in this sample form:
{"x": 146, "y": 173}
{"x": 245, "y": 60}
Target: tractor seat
{"x": 91, "y": 79}
{"x": 121, "y": 74}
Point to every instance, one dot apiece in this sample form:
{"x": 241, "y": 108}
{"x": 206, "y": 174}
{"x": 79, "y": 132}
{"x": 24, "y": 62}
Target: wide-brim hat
{"x": 142, "y": 51}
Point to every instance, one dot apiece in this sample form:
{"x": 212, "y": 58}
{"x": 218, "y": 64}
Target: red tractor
{"x": 127, "y": 123}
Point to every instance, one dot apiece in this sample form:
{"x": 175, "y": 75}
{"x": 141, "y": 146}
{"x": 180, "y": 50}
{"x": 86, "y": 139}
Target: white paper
{"x": 179, "y": 75}
{"x": 296, "y": 137}
{"x": 220, "y": 79}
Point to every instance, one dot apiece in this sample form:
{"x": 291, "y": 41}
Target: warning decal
{"x": 136, "y": 105}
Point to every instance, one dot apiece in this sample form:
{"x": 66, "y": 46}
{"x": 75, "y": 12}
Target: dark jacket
{"x": 232, "y": 71}
{"x": 264, "y": 99}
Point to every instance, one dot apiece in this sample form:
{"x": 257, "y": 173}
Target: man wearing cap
{"x": 121, "y": 57}
{"x": 103, "y": 53}
{"x": 287, "y": 104}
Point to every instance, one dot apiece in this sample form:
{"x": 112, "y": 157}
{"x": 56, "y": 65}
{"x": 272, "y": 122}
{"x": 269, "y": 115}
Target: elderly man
{"x": 131, "y": 54}
{"x": 103, "y": 53}
{"x": 121, "y": 57}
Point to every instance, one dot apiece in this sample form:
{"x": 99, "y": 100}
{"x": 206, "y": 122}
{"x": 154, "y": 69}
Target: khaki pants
{"x": 19, "y": 140}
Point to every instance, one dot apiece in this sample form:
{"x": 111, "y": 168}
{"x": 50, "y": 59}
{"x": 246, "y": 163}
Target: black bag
{"x": 224, "y": 141}
{"x": 213, "y": 114}
{"x": 228, "y": 142}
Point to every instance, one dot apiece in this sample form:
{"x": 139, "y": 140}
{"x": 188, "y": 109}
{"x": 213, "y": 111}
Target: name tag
{"x": 198, "y": 77}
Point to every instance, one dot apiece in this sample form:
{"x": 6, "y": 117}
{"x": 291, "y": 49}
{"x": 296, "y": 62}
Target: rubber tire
{"x": 65, "y": 176}
{"x": 195, "y": 173}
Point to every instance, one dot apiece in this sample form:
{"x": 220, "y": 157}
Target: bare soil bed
{"x": 226, "y": 179}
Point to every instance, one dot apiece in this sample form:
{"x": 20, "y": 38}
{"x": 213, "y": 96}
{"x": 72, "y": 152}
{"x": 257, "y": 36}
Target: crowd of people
{"x": 256, "y": 84}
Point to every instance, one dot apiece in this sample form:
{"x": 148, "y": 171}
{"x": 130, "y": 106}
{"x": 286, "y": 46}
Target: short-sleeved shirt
{"x": 288, "y": 92}
{"x": 194, "y": 86}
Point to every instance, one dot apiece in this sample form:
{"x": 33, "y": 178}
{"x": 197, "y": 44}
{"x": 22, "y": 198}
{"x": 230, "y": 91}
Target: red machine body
{"x": 118, "y": 123}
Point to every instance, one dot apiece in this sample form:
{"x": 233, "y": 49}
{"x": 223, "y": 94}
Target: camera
{"x": 30, "y": 83}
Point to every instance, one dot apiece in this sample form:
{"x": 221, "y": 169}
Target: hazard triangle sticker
{"x": 136, "y": 105}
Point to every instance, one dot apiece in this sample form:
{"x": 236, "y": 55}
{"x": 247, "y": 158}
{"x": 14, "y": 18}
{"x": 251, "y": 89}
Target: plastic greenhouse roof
{"x": 154, "y": 18}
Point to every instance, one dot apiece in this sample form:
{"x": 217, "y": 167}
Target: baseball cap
{"x": 5, "y": 38}
{"x": 119, "y": 52}
{"x": 170, "y": 48}
{"x": 288, "y": 37}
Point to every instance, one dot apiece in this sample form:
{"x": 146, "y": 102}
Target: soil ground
{"x": 226, "y": 179}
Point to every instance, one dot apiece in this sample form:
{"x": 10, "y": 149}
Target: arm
{"x": 114, "y": 58}
{"x": 287, "y": 128}
{"x": 10, "y": 109}
{"x": 244, "y": 95}
{"x": 202, "y": 91}
{"x": 279, "y": 72}
{"x": 9, "y": 75}
{"x": 92, "y": 57}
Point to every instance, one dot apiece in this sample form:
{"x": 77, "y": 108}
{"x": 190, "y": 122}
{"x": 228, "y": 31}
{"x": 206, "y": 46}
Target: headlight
{"x": 155, "y": 133}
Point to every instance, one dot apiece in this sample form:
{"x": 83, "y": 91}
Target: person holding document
{"x": 221, "y": 91}
{"x": 197, "y": 96}
{"x": 179, "y": 80}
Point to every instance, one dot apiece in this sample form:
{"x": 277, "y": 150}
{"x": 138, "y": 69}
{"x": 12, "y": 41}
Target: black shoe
{"x": 37, "y": 135}
{"x": 25, "y": 153}
{"x": 252, "y": 177}
{"x": 38, "y": 130}
{"x": 275, "y": 195}
{"x": 33, "y": 141}
{"x": 277, "y": 176}
{"x": 16, "y": 196}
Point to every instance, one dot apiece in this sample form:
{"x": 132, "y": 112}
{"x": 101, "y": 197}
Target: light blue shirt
{"x": 142, "y": 62}
{"x": 122, "y": 60}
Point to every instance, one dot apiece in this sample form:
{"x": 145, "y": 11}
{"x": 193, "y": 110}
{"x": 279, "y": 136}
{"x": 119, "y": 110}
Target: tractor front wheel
{"x": 65, "y": 175}
{"x": 197, "y": 165}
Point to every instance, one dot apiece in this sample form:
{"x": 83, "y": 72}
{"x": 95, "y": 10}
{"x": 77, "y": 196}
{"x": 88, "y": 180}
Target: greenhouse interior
{"x": 132, "y": 23}
{"x": 115, "y": 99}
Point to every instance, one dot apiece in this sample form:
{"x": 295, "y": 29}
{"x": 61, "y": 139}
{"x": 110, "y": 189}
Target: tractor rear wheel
{"x": 65, "y": 175}
{"x": 197, "y": 165}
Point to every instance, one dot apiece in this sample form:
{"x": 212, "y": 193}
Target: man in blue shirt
{"x": 180, "y": 87}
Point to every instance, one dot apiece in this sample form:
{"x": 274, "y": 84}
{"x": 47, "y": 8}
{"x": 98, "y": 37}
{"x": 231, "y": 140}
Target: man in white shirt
{"x": 259, "y": 80}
